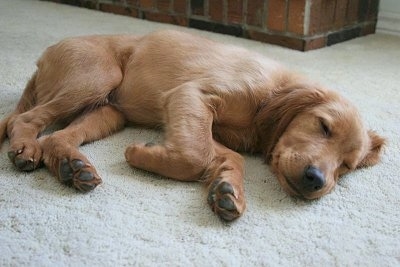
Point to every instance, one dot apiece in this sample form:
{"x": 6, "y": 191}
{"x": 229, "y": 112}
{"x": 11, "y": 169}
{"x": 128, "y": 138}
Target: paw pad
{"x": 222, "y": 200}
{"x": 76, "y": 174}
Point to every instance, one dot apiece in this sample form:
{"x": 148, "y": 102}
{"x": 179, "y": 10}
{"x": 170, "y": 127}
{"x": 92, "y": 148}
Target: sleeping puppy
{"x": 212, "y": 101}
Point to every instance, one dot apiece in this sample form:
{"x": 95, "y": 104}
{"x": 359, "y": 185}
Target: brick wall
{"x": 298, "y": 24}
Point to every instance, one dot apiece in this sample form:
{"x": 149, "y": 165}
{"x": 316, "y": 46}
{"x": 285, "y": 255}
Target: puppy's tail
{"x": 26, "y": 102}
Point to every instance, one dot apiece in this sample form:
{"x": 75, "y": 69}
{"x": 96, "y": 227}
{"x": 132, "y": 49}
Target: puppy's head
{"x": 313, "y": 136}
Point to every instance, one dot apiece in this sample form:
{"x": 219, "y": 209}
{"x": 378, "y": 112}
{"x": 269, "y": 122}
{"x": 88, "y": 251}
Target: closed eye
{"x": 325, "y": 129}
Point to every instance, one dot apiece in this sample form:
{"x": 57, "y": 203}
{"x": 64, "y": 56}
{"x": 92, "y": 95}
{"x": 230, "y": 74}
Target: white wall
{"x": 389, "y": 17}
{"x": 390, "y": 6}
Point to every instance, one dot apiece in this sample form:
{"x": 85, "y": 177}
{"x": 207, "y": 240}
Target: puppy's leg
{"x": 188, "y": 147}
{"x": 61, "y": 91}
{"x": 225, "y": 179}
{"x": 190, "y": 153}
{"x": 60, "y": 152}
{"x": 26, "y": 156}
{"x": 23, "y": 129}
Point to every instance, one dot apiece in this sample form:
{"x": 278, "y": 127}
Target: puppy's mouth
{"x": 288, "y": 185}
{"x": 290, "y": 188}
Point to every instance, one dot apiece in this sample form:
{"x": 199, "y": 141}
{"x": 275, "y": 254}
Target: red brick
{"x": 132, "y": 3}
{"x": 180, "y": 6}
{"x": 81, "y": 3}
{"x": 164, "y": 5}
{"x": 315, "y": 17}
{"x": 352, "y": 12}
{"x": 340, "y": 13}
{"x": 276, "y": 17}
{"x": 165, "y": 18}
{"x": 368, "y": 29}
{"x": 120, "y": 10}
{"x": 296, "y": 16}
{"x": 216, "y": 10}
{"x": 114, "y": 2}
{"x": 197, "y": 7}
{"x": 363, "y": 7}
{"x": 373, "y": 10}
{"x": 235, "y": 11}
{"x": 327, "y": 15}
{"x": 282, "y": 40}
{"x": 255, "y": 12}
{"x": 316, "y": 43}
{"x": 91, "y": 4}
{"x": 146, "y": 4}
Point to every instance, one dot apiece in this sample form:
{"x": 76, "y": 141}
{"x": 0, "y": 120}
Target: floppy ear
{"x": 376, "y": 145}
{"x": 275, "y": 114}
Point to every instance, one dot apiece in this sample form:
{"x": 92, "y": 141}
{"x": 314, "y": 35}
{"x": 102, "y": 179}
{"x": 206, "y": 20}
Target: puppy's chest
{"x": 233, "y": 124}
{"x": 243, "y": 139}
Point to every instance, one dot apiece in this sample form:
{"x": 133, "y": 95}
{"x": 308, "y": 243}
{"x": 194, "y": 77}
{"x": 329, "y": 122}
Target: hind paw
{"x": 27, "y": 156}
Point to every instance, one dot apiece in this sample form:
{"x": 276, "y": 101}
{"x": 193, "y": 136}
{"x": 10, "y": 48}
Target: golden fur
{"x": 211, "y": 100}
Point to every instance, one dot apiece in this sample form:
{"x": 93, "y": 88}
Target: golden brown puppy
{"x": 211, "y": 100}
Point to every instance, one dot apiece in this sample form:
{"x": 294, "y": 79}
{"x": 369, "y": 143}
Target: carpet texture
{"x": 138, "y": 218}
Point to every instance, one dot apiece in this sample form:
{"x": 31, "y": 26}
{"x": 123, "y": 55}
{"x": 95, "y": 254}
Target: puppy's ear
{"x": 376, "y": 146}
{"x": 281, "y": 107}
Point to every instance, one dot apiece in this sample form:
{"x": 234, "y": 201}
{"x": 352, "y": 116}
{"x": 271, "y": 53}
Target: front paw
{"x": 78, "y": 174}
{"x": 223, "y": 200}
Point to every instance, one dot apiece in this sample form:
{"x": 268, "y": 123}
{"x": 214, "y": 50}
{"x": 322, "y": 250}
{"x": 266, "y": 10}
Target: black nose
{"x": 313, "y": 179}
